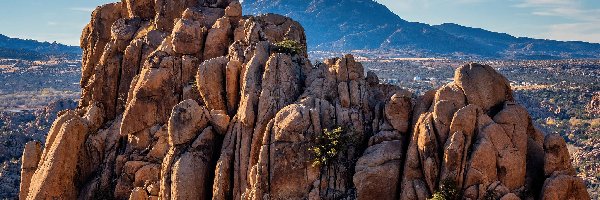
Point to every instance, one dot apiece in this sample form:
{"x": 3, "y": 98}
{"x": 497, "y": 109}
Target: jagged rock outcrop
{"x": 191, "y": 100}
{"x": 476, "y": 137}
{"x": 31, "y": 158}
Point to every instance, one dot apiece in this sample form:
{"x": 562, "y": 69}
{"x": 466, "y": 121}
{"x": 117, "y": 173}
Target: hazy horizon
{"x": 564, "y": 20}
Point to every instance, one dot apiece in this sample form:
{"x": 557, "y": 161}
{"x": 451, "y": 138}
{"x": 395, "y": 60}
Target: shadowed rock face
{"x": 192, "y": 100}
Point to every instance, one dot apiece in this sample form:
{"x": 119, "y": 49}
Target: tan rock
{"x": 344, "y": 94}
{"x": 56, "y": 175}
{"x": 148, "y": 173}
{"x": 131, "y": 167}
{"x": 398, "y": 111}
{"x": 191, "y": 170}
{"x": 187, "y": 119}
{"x": 144, "y": 109}
{"x": 429, "y": 152}
{"x": 232, "y": 87}
{"x": 288, "y": 170}
{"x": 55, "y": 130}
{"x": 130, "y": 67}
{"x": 188, "y": 36}
{"x": 169, "y": 10}
{"x": 594, "y": 106}
{"x": 140, "y": 8}
{"x": 219, "y": 121}
{"x": 378, "y": 171}
{"x": 514, "y": 119}
{"x": 443, "y": 111}
{"x": 423, "y": 103}
{"x": 94, "y": 38}
{"x": 138, "y": 194}
{"x": 94, "y": 116}
{"x": 384, "y": 136}
{"x": 481, "y": 169}
{"x": 413, "y": 185}
{"x": 510, "y": 161}
{"x": 452, "y": 163}
{"x": 557, "y": 158}
{"x": 510, "y": 196}
{"x": 218, "y": 39}
{"x": 31, "y": 157}
{"x": 189, "y": 70}
{"x": 355, "y": 93}
{"x": 211, "y": 83}
{"x": 234, "y": 9}
{"x": 564, "y": 187}
{"x": 465, "y": 119}
{"x": 482, "y": 85}
{"x": 161, "y": 147}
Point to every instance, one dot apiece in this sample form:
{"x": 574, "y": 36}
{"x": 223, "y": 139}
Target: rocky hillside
{"x": 189, "y": 99}
{"x": 16, "y": 48}
{"x": 344, "y": 25}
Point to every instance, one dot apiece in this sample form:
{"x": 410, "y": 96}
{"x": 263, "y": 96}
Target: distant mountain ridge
{"x": 343, "y": 25}
{"x": 16, "y": 48}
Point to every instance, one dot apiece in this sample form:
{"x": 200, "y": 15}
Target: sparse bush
{"x": 490, "y": 195}
{"x": 551, "y": 121}
{"x": 595, "y": 123}
{"x": 576, "y": 122}
{"x": 288, "y": 46}
{"x": 447, "y": 191}
{"x": 328, "y": 146}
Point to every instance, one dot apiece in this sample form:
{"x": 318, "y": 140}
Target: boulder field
{"x": 189, "y": 99}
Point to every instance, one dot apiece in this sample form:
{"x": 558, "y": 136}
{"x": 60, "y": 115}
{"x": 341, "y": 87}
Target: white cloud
{"x": 569, "y": 9}
{"x": 582, "y": 22}
{"x": 531, "y": 3}
{"x": 586, "y": 31}
{"x": 82, "y": 9}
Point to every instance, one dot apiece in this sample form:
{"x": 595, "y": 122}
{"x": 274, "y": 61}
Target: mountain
{"x": 344, "y": 25}
{"x": 32, "y": 50}
{"x": 171, "y": 109}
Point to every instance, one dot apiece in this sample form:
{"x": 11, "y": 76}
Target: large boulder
{"x": 482, "y": 85}
{"x": 186, "y": 120}
{"x": 378, "y": 171}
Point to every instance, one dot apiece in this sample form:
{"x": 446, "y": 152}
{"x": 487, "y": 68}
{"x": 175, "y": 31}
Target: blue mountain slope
{"x": 32, "y": 49}
{"x": 343, "y": 25}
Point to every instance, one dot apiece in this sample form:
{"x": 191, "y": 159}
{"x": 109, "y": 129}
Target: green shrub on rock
{"x": 288, "y": 46}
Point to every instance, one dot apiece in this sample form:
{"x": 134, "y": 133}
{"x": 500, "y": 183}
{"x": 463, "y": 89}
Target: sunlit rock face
{"x": 192, "y": 100}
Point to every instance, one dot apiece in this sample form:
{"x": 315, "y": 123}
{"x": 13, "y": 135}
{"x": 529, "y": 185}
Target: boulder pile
{"x": 189, "y": 99}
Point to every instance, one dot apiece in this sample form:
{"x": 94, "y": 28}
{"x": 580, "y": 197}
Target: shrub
{"x": 327, "y": 146}
{"x": 490, "y": 195}
{"x": 576, "y": 122}
{"x": 447, "y": 191}
{"x": 595, "y": 123}
{"x": 551, "y": 121}
{"x": 288, "y": 46}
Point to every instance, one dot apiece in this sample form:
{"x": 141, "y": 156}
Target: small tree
{"x": 288, "y": 46}
{"x": 447, "y": 191}
{"x": 327, "y": 146}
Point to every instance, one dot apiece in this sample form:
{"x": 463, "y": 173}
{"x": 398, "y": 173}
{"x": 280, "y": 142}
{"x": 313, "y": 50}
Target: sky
{"x": 568, "y": 20}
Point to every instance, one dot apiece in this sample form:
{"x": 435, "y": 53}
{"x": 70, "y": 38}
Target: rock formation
{"x": 594, "y": 106}
{"x": 191, "y": 100}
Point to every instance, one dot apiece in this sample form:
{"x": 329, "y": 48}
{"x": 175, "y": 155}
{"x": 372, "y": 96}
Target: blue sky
{"x": 63, "y": 20}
